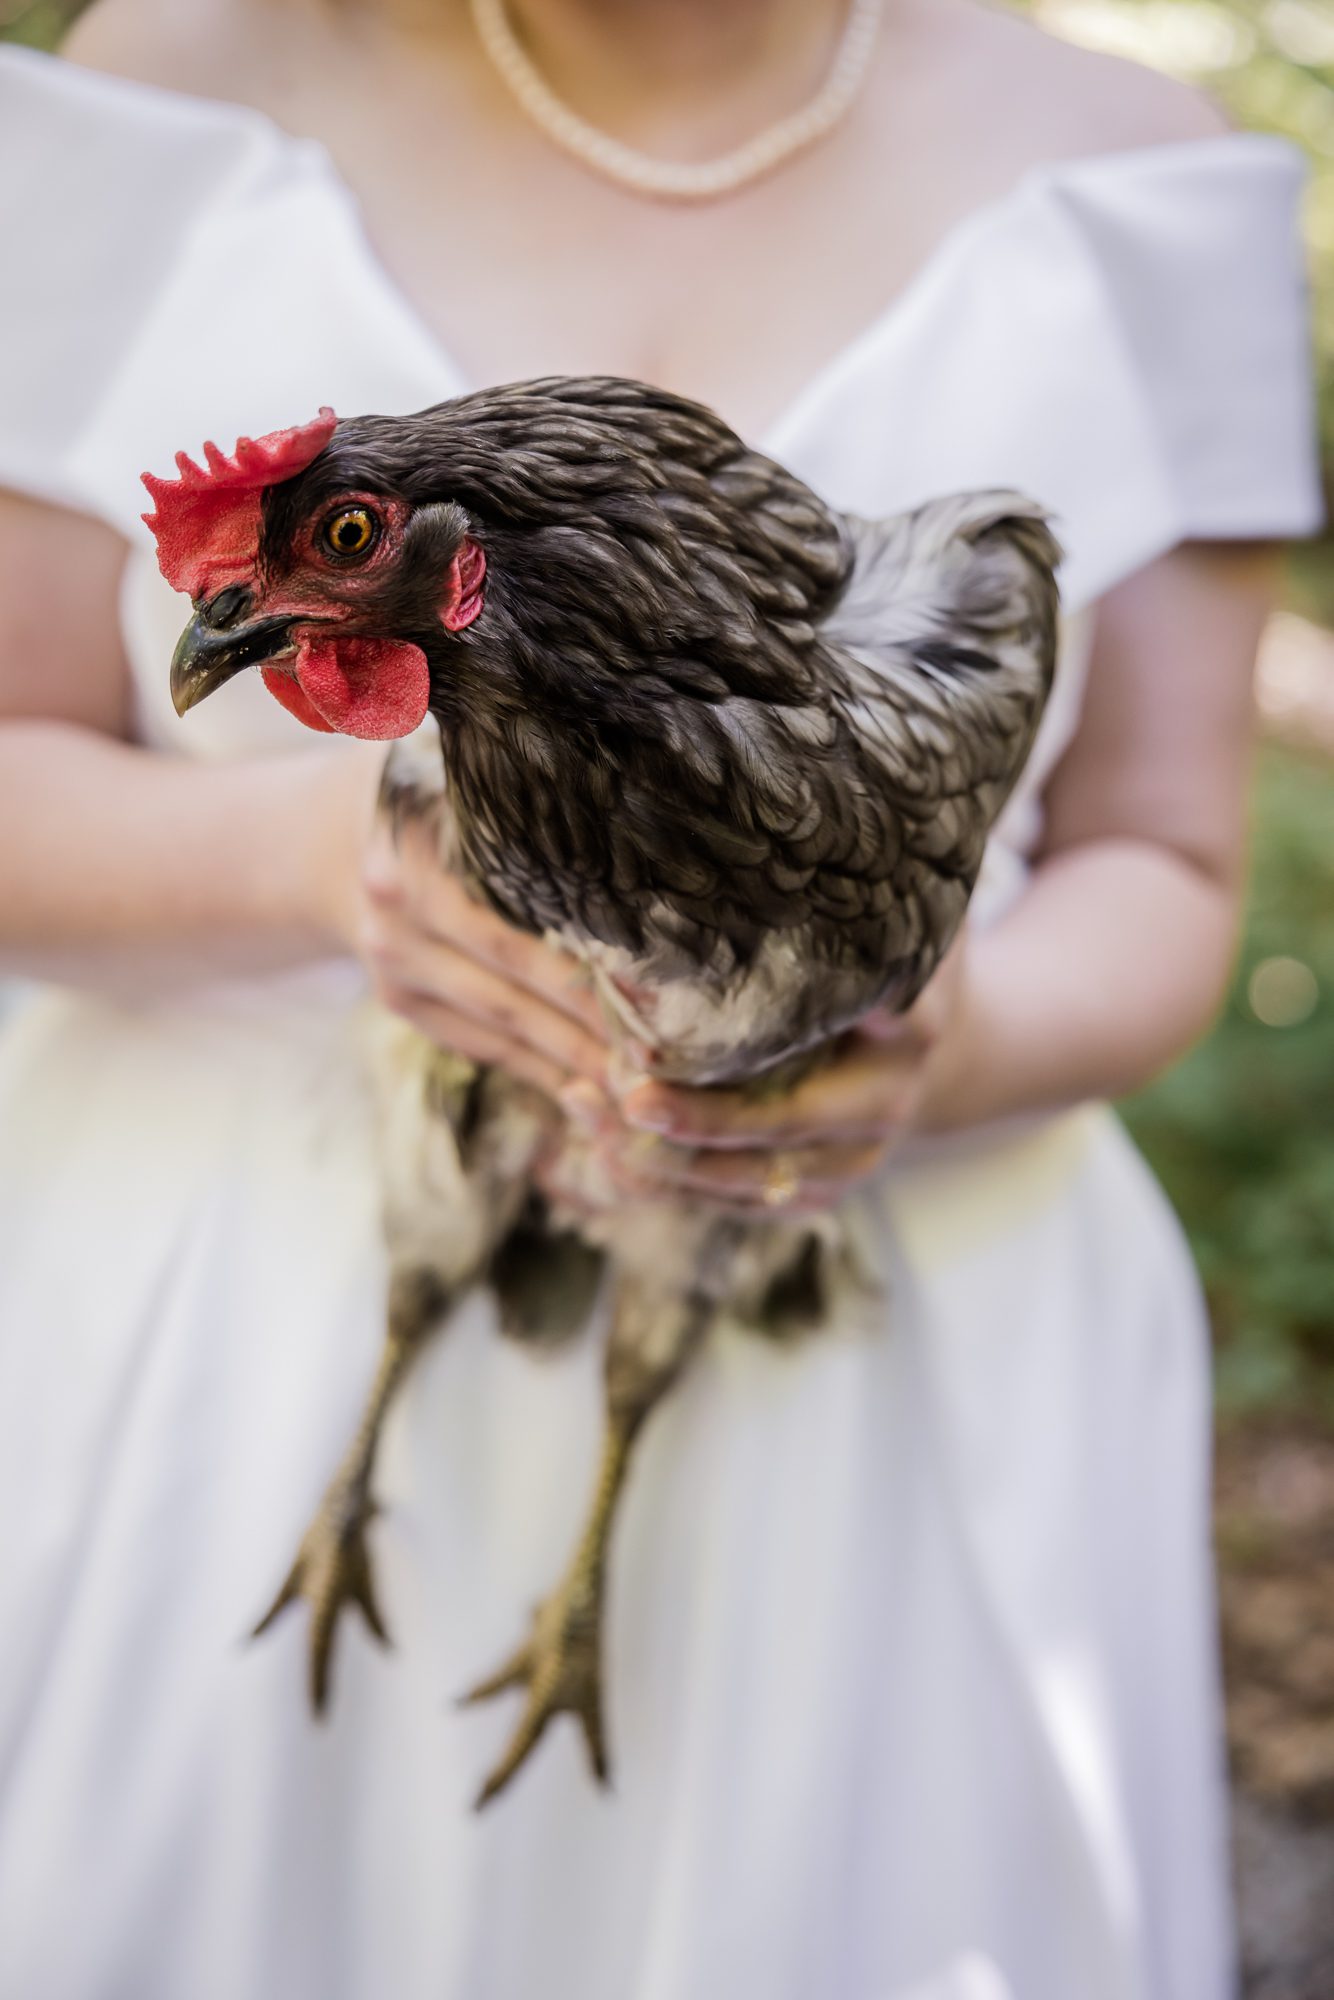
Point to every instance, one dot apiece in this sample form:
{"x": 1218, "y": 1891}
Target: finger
{"x": 443, "y": 906}
{"x": 452, "y": 1030}
{"x": 406, "y": 956}
{"x": 857, "y": 1099}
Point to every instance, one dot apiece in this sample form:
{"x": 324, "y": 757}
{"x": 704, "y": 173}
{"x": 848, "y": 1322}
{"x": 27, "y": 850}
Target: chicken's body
{"x": 738, "y": 753}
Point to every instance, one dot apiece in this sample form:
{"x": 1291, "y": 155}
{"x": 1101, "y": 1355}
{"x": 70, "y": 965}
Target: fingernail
{"x": 639, "y": 1108}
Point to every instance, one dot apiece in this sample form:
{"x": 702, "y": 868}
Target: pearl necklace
{"x": 665, "y": 180}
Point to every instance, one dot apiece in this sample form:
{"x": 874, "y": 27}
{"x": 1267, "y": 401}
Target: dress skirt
{"x": 910, "y": 1656}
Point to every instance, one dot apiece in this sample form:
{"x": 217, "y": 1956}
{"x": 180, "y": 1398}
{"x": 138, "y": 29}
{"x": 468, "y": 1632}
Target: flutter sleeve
{"x": 1125, "y": 337}
{"x": 1198, "y": 252}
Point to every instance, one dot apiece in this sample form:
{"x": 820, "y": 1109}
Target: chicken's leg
{"x": 652, "y": 1338}
{"x": 333, "y": 1565}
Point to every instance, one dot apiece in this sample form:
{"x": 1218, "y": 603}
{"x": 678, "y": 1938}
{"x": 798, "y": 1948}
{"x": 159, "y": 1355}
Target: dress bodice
{"x": 1122, "y": 336}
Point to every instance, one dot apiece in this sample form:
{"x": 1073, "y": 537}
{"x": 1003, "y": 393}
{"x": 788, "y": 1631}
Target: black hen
{"x": 738, "y": 752}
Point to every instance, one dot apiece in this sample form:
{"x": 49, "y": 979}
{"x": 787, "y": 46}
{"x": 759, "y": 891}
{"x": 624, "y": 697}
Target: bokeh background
{"x": 1242, "y": 1133}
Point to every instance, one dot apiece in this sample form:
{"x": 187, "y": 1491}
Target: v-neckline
{"x": 398, "y": 304}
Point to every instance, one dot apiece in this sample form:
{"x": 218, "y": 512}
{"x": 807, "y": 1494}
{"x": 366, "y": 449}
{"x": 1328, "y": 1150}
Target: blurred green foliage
{"x": 37, "y": 23}
{"x": 1242, "y": 1133}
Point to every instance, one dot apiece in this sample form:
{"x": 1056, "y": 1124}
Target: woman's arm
{"x": 120, "y": 868}
{"x": 1117, "y": 957}
{"x": 117, "y": 865}
{"x": 1114, "y": 958}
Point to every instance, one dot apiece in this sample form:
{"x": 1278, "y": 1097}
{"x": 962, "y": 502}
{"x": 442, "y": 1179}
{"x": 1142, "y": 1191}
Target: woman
{"x": 912, "y": 1658}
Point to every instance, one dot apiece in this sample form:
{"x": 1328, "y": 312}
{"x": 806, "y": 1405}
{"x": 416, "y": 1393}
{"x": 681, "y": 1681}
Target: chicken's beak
{"x": 205, "y": 657}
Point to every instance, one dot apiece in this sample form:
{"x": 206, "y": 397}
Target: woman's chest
{"x": 691, "y": 302}
{"x": 520, "y": 261}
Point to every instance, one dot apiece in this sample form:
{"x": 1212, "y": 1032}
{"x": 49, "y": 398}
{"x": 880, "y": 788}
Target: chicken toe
{"x": 560, "y": 1668}
{"x": 332, "y": 1569}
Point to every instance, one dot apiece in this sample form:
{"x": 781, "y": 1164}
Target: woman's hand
{"x": 805, "y": 1150}
{"x": 459, "y": 973}
{"x": 472, "y": 982}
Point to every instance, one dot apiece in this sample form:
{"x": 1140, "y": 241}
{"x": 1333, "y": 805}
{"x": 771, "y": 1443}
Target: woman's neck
{"x": 684, "y": 79}
{"x": 675, "y": 44}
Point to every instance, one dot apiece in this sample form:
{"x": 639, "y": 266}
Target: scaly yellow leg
{"x": 332, "y": 1567}
{"x": 652, "y": 1339}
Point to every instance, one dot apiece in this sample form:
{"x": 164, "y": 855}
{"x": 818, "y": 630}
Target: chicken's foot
{"x": 333, "y": 1567}
{"x": 560, "y": 1663}
{"x": 652, "y": 1338}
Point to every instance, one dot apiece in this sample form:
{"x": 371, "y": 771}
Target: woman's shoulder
{"x": 282, "y": 64}
{"x": 1182, "y": 235}
{"x": 1050, "y": 101}
{"x": 213, "y": 49}
{"x": 1121, "y": 328}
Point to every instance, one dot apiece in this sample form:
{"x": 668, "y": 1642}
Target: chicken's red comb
{"x": 207, "y": 519}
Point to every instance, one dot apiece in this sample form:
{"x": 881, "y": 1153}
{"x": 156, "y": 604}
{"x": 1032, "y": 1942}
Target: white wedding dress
{"x": 911, "y": 1655}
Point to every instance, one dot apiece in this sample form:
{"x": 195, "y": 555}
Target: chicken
{"x": 737, "y": 752}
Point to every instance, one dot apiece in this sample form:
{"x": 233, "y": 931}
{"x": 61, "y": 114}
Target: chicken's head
{"x": 319, "y": 570}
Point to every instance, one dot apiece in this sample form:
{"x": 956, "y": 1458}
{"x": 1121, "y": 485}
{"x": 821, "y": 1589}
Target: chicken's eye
{"x": 351, "y": 532}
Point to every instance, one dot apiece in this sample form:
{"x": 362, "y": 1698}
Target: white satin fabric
{"x": 911, "y": 1664}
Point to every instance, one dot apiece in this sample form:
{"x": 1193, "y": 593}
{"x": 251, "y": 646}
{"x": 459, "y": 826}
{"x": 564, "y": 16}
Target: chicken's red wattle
{"x": 373, "y": 688}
